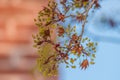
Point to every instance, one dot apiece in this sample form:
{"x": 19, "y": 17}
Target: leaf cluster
{"x": 52, "y": 53}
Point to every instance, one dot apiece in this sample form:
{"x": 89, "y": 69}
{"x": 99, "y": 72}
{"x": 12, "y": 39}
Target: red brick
{"x": 11, "y": 49}
{"x": 16, "y": 77}
{"x": 17, "y": 56}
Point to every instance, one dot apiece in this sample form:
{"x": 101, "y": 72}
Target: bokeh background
{"x": 17, "y": 55}
{"x": 103, "y": 27}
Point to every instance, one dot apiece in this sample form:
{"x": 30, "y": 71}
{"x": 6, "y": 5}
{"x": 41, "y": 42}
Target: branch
{"x": 89, "y": 7}
{"x": 48, "y": 59}
{"x": 48, "y": 41}
{"x": 83, "y": 25}
{"x": 83, "y": 51}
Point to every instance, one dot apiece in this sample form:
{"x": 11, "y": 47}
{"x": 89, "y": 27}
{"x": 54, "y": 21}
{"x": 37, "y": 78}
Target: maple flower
{"x": 74, "y": 37}
{"x": 61, "y": 31}
{"x": 77, "y": 49}
{"x": 65, "y": 56}
{"x": 62, "y": 54}
{"x": 46, "y": 34}
{"x": 61, "y": 17}
{"x": 85, "y": 2}
{"x": 80, "y": 17}
{"x": 80, "y": 49}
{"x": 97, "y": 5}
{"x": 56, "y": 47}
{"x": 84, "y": 64}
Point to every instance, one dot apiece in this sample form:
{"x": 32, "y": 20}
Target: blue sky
{"x": 107, "y": 65}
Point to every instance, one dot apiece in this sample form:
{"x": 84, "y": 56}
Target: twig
{"x": 48, "y": 59}
{"x": 83, "y": 25}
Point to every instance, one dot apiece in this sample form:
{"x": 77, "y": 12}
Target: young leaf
{"x": 72, "y": 60}
{"x": 73, "y": 66}
{"x": 92, "y": 62}
{"x": 93, "y": 55}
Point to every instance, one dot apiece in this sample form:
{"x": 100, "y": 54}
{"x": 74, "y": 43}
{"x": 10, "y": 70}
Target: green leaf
{"x": 85, "y": 3}
{"x": 92, "y": 62}
{"x": 93, "y": 55}
{"x": 73, "y": 52}
{"x": 35, "y": 46}
{"x": 73, "y": 66}
{"x": 88, "y": 54}
{"x": 95, "y": 51}
{"x": 78, "y": 55}
{"x": 72, "y": 60}
{"x": 73, "y": 8}
{"x": 33, "y": 36}
{"x": 92, "y": 59}
{"x": 83, "y": 40}
{"x": 96, "y": 43}
{"x": 93, "y": 48}
{"x": 53, "y": 26}
{"x": 67, "y": 66}
{"x": 86, "y": 38}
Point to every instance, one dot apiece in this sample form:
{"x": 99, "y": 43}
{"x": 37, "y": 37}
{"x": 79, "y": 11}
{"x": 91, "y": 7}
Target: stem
{"x": 83, "y": 51}
{"x": 48, "y": 41}
{"x": 83, "y": 25}
{"x": 48, "y": 59}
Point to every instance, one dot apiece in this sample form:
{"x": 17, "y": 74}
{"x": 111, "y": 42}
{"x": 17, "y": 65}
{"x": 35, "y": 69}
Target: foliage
{"x": 53, "y": 52}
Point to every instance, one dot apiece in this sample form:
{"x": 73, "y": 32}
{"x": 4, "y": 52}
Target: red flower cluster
{"x": 84, "y": 64}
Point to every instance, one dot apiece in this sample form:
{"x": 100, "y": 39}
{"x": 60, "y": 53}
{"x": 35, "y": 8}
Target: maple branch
{"x": 48, "y": 59}
{"x": 48, "y": 41}
{"x": 65, "y": 7}
{"x": 83, "y": 25}
{"x": 89, "y": 7}
{"x": 83, "y": 51}
{"x": 51, "y": 22}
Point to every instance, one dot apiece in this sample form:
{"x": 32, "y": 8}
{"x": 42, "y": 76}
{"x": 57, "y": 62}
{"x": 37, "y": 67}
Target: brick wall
{"x": 17, "y": 56}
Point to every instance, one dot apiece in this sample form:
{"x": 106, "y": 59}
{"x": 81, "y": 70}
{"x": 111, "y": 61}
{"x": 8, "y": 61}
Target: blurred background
{"x": 104, "y": 27}
{"x": 17, "y": 55}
